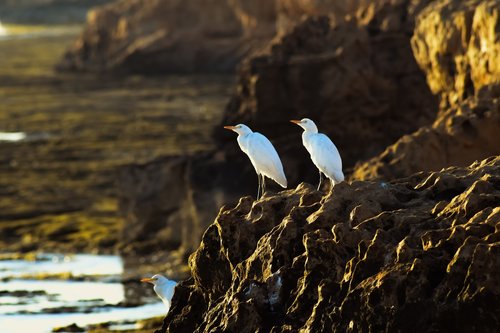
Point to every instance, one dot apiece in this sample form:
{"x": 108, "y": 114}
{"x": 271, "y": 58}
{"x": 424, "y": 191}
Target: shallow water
{"x": 12, "y": 136}
{"x": 14, "y": 31}
{"x": 91, "y": 296}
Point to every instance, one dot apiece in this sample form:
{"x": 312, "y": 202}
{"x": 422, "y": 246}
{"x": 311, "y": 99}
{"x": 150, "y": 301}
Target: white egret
{"x": 324, "y": 154}
{"x": 163, "y": 287}
{"x": 262, "y": 154}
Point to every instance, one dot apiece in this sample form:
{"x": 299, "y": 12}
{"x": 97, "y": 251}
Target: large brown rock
{"x": 369, "y": 256}
{"x": 155, "y": 36}
{"x": 184, "y": 36}
{"x": 464, "y": 133}
{"x": 361, "y": 85}
{"x": 457, "y": 45}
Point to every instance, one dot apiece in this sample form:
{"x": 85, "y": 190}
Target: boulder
{"x": 368, "y": 256}
{"x": 456, "y": 44}
{"x": 155, "y": 36}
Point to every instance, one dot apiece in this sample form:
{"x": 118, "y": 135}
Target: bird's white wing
{"x": 326, "y": 157}
{"x": 264, "y": 158}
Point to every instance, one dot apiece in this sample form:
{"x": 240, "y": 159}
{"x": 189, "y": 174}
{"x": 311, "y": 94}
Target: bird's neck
{"x": 307, "y": 134}
{"x": 311, "y": 130}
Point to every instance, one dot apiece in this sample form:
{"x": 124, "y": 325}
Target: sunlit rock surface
{"x": 370, "y": 256}
{"x": 457, "y": 45}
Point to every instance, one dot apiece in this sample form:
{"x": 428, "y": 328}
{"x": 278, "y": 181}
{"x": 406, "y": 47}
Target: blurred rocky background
{"x": 46, "y": 11}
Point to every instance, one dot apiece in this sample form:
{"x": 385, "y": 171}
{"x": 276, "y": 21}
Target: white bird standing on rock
{"x": 163, "y": 287}
{"x": 324, "y": 154}
{"x": 262, "y": 154}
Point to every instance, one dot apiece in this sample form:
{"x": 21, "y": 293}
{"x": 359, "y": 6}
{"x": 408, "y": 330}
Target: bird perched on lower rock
{"x": 163, "y": 287}
{"x": 324, "y": 154}
{"x": 262, "y": 154}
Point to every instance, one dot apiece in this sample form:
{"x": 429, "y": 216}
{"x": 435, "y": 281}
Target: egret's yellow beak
{"x": 148, "y": 280}
{"x": 296, "y": 121}
{"x": 231, "y": 128}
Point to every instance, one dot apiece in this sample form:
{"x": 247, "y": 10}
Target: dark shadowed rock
{"x": 369, "y": 256}
{"x": 70, "y": 328}
{"x": 362, "y": 87}
{"x": 465, "y": 132}
{"x": 155, "y": 36}
{"x": 167, "y": 203}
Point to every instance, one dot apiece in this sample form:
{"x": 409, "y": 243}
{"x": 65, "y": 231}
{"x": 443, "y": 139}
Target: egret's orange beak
{"x": 148, "y": 280}
{"x": 231, "y": 128}
{"x": 295, "y": 121}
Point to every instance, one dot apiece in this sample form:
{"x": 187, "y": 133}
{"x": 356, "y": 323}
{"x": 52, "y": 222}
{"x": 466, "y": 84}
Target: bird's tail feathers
{"x": 338, "y": 177}
{"x": 281, "y": 180}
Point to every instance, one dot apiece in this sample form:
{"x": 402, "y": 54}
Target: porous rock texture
{"x": 417, "y": 254}
{"x": 457, "y": 44}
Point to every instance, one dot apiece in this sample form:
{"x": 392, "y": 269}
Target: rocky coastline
{"x": 370, "y": 256}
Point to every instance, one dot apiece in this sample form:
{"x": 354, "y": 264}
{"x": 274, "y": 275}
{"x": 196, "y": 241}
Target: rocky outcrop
{"x": 155, "y": 36}
{"x": 464, "y": 133}
{"x": 456, "y": 44}
{"x": 352, "y": 69}
{"x": 369, "y": 256}
{"x": 183, "y": 36}
{"x": 359, "y": 83}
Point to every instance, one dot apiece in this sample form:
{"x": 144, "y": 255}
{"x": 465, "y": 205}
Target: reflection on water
{"x": 45, "y": 323}
{"x": 80, "y": 265}
{"x": 3, "y": 31}
{"x": 14, "y": 31}
{"x": 93, "y": 295}
{"x": 12, "y": 136}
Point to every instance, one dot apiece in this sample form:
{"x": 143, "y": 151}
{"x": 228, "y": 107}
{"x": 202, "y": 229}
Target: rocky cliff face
{"x": 184, "y": 36}
{"x": 155, "y": 36}
{"x": 369, "y": 256}
{"x": 362, "y": 86}
{"x": 456, "y": 44}
{"x": 357, "y": 78}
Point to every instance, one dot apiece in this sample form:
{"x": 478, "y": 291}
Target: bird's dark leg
{"x": 263, "y": 185}
{"x": 258, "y": 190}
{"x": 320, "y": 180}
